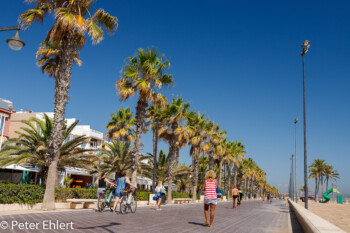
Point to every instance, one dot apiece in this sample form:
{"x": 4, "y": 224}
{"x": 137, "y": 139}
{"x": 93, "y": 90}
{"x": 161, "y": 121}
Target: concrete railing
{"x": 312, "y": 223}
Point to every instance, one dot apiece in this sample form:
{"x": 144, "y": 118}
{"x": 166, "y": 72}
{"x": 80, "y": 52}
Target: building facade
{"x": 5, "y": 116}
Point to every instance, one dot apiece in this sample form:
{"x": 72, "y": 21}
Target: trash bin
{"x": 340, "y": 199}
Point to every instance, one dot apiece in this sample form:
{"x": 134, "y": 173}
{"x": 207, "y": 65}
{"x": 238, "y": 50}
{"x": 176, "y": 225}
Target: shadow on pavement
{"x": 105, "y": 227}
{"x": 196, "y": 223}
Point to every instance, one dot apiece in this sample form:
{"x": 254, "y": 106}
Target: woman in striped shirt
{"x": 210, "y": 196}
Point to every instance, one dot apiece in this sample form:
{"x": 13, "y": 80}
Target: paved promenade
{"x": 251, "y": 216}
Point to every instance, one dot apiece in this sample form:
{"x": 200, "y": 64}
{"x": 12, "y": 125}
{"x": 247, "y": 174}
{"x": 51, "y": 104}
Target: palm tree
{"x": 195, "y": 133}
{"x": 162, "y": 168}
{"x": 116, "y": 158}
{"x": 216, "y": 136}
{"x": 121, "y": 125}
{"x": 72, "y": 21}
{"x": 316, "y": 170}
{"x": 32, "y": 147}
{"x": 173, "y": 115}
{"x": 330, "y": 174}
{"x": 239, "y": 152}
{"x": 143, "y": 74}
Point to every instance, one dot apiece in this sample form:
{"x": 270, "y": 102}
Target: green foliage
{"x": 32, "y": 194}
{"x": 142, "y": 196}
{"x": 180, "y": 195}
{"x": 21, "y": 193}
{"x": 62, "y": 194}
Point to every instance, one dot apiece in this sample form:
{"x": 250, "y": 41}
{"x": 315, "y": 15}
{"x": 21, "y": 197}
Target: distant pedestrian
{"x": 160, "y": 193}
{"x": 235, "y": 196}
{"x": 240, "y": 197}
{"x": 210, "y": 196}
{"x": 268, "y": 198}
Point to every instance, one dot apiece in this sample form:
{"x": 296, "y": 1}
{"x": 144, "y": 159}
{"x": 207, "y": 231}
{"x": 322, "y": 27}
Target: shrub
{"x": 180, "y": 195}
{"x": 62, "y": 194}
{"x": 21, "y": 193}
{"x": 142, "y": 195}
{"x": 32, "y": 194}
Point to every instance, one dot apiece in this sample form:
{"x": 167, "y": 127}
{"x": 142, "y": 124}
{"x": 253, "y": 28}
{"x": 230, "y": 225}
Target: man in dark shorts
{"x": 268, "y": 198}
{"x": 235, "y": 195}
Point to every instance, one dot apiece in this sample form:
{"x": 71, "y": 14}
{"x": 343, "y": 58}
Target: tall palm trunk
{"x": 62, "y": 85}
{"x": 234, "y": 174}
{"x": 195, "y": 166}
{"x": 316, "y": 182}
{"x": 229, "y": 181}
{"x": 43, "y": 174}
{"x": 177, "y": 155}
{"x": 251, "y": 188}
{"x": 211, "y": 160}
{"x": 140, "y": 116}
{"x": 220, "y": 172}
{"x": 246, "y": 188}
{"x": 172, "y": 151}
{"x": 326, "y": 184}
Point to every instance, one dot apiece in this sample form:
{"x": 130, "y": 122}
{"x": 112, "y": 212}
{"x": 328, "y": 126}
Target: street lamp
{"x": 15, "y": 43}
{"x": 295, "y": 154}
{"x": 305, "y": 46}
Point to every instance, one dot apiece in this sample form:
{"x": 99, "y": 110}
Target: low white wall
{"x": 312, "y": 223}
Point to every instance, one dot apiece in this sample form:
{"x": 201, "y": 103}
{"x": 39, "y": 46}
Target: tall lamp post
{"x": 305, "y": 46}
{"x": 295, "y": 154}
{"x": 15, "y": 43}
{"x": 292, "y": 179}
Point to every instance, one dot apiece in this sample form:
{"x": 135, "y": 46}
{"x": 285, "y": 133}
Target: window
{"x": 2, "y": 123}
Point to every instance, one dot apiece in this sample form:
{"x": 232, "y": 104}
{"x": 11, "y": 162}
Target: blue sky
{"x": 237, "y": 62}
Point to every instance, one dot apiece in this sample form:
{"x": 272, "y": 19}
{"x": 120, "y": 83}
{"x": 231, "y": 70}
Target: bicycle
{"x": 128, "y": 201}
{"x": 103, "y": 201}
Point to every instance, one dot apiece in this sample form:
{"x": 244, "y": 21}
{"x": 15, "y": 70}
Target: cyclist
{"x": 120, "y": 182}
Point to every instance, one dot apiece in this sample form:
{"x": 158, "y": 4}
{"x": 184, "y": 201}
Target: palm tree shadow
{"x": 105, "y": 227}
{"x": 196, "y": 223}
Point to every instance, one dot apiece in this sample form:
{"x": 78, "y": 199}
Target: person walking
{"x": 160, "y": 193}
{"x": 240, "y": 197}
{"x": 120, "y": 182}
{"x": 235, "y": 196}
{"x": 210, "y": 196}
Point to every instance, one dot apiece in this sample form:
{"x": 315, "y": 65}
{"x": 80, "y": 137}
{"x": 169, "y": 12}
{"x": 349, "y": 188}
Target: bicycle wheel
{"x": 111, "y": 203}
{"x": 101, "y": 203}
{"x": 133, "y": 205}
{"x": 123, "y": 206}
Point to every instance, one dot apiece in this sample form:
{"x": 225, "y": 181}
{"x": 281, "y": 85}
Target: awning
{"x": 16, "y": 167}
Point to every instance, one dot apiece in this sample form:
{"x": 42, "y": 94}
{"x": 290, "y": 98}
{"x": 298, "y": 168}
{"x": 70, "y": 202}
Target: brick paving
{"x": 251, "y": 216}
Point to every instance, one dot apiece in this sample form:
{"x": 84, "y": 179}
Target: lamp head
{"x": 15, "y": 43}
{"x": 305, "y": 46}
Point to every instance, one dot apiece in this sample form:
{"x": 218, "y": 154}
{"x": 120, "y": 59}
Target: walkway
{"x": 251, "y": 216}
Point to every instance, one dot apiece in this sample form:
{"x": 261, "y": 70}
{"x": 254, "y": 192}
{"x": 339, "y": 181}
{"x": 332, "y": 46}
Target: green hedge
{"x": 31, "y": 194}
{"x": 142, "y": 195}
{"x": 21, "y": 193}
{"x": 180, "y": 195}
{"x": 62, "y": 194}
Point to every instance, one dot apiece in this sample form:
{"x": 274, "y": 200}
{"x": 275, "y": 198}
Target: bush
{"x": 21, "y": 193}
{"x": 142, "y": 195}
{"x": 62, "y": 194}
{"x": 180, "y": 195}
{"x": 32, "y": 194}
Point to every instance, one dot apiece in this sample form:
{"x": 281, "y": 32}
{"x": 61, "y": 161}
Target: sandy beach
{"x": 337, "y": 214}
